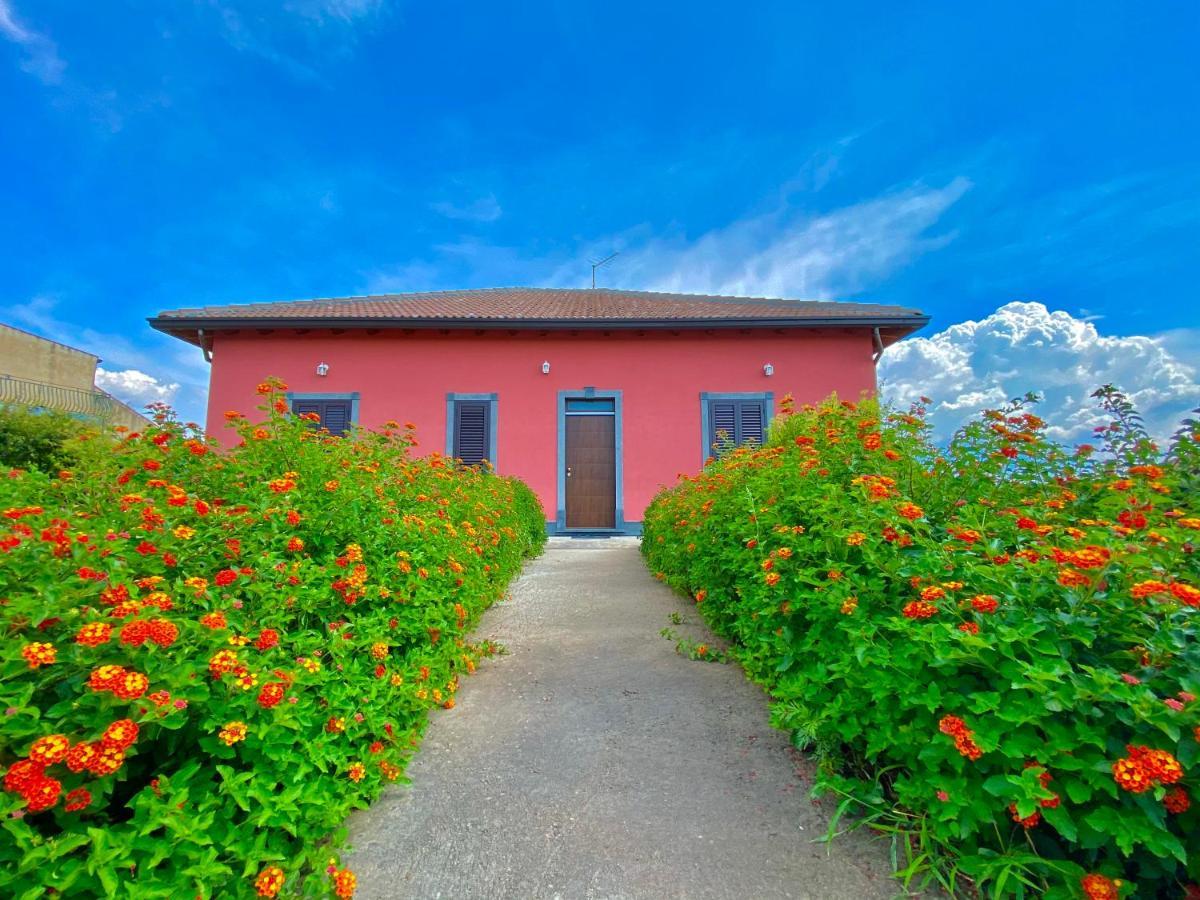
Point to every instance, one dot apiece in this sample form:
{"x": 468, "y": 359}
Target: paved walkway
{"x": 592, "y": 761}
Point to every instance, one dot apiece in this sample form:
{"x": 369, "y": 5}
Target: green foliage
{"x": 971, "y": 637}
{"x": 276, "y": 621}
{"x": 42, "y": 441}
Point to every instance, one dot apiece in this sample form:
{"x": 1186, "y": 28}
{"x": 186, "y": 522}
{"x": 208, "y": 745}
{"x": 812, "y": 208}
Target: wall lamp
{"x": 768, "y": 370}
{"x": 546, "y": 367}
{"x": 322, "y": 369}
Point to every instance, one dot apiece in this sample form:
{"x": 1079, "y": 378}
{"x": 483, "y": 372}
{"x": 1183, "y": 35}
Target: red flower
{"x": 918, "y": 609}
{"x": 81, "y": 756}
{"x": 1030, "y": 821}
{"x": 269, "y": 881}
{"x": 225, "y": 577}
{"x": 964, "y": 738}
{"x": 267, "y": 638}
{"x": 131, "y": 686}
{"x": 271, "y": 694}
{"x": 42, "y": 793}
{"x": 1177, "y": 801}
{"x": 22, "y": 775}
{"x": 39, "y": 653}
{"x": 80, "y": 798}
{"x": 1100, "y": 887}
{"x": 120, "y": 734}
{"x": 106, "y": 761}
{"x": 50, "y": 749}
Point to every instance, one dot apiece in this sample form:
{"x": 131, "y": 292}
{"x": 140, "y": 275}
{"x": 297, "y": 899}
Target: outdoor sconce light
{"x": 768, "y": 370}
{"x": 546, "y": 367}
{"x": 322, "y": 369}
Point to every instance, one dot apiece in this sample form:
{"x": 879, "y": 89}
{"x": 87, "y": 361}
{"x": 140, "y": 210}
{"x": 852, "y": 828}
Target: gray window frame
{"x": 766, "y": 398}
{"x": 353, "y": 397}
{"x": 493, "y": 407}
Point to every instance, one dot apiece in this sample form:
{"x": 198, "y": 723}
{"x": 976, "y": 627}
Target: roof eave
{"x": 187, "y": 329}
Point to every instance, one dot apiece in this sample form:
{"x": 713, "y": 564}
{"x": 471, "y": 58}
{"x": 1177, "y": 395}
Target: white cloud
{"x": 343, "y": 10}
{"x": 482, "y": 209}
{"x": 1024, "y": 347}
{"x": 135, "y": 388}
{"x": 41, "y": 54}
{"x": 787, "y": 252}
{"x": 167, "y": 362}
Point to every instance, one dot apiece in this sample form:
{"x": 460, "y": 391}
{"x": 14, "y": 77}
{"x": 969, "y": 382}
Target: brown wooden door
{"x": 591, "y": 472}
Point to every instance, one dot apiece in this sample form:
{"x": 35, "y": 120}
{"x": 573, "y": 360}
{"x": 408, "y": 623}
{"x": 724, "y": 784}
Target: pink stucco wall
{"x": 406, "y": 375}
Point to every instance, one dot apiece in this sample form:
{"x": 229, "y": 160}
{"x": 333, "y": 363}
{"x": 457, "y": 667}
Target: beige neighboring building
{"x": 43, "y": 374}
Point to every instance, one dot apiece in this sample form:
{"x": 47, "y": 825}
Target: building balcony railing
{"x": 93, "y": 404}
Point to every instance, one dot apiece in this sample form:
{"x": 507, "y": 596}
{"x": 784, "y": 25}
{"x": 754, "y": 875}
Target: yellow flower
{"x": 232, "y": 733}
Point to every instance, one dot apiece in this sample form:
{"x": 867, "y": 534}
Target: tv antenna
{"x": 597, "y": 265}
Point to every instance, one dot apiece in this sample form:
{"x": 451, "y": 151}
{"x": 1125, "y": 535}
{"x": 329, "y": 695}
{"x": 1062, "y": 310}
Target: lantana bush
{"x": 210, "y": 656}
{"x": 991, "y": 646}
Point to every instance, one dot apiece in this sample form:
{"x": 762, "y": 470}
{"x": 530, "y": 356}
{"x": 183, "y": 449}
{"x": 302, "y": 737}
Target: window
{"x": 731, "y": 420}
{"x": 335, "y": 415}
{"x": 471, "y": 427}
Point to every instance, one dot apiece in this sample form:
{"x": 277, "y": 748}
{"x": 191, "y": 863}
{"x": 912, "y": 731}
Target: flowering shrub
{"x": 993, "y": 647}
{"x": 211, "y": 657}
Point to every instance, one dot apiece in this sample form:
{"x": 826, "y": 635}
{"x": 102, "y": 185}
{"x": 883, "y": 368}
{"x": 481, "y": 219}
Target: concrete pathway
{"x": 593, "y": 761}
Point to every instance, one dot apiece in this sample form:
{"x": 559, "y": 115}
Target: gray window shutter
{"x": 735, "y": 422}
{"x": 472, "y": 430}
{"x": 336, "y": 418}
{"x": 751, "y": 424}
{"x": 335, "y": 414}
{"x": 722, "y": 419}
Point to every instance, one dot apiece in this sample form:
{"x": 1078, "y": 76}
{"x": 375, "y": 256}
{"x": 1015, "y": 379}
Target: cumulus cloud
{"x": 1024, "y": 347}
{"x": 135, "y": 388}
{"x": 41, "y": 54}
{"x": 790, "y": 252}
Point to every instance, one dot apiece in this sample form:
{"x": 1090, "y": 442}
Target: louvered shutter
{"x": 334, "y": 414}
{"x": 472, "y": 430}
{"x": 751, "y": 424}
{"x": 732, "y": 423}
{"x": 336, "y": 417}
{"x": 300, "y": 407}
{"x": 722, "y": 419}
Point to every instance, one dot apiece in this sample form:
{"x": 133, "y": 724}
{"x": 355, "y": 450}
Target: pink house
{"x": 595, "y": 398}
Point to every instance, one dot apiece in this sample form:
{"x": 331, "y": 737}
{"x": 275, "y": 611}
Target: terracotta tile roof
{"x": 541, "y": 308}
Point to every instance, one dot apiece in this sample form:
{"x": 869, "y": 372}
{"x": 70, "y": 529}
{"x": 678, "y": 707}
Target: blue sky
{"x": 948, "y": 156}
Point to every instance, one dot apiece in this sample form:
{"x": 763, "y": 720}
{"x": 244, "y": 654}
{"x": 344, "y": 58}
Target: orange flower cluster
{"x": 157, "y": 631}
{"x": 1089, "y": 557}
{"x": 39, "y": 653}
{"x": 27, "y": 777}
{"x": 127, "y": 685}
{"x": 879, "y": 487}
{"x": 232, "y": 733}
{"x": 269, "y": 882}
{"x": 1100, "y": 887}
{"x": 94, "y": 634}
{"x": 345, "y": 883}
{"x": 918, "y": 609}
{"x": 964, "y": 738}
{"x": 1144, "y": 768}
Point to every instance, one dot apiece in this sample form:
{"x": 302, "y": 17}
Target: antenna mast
{"x": 597, "y": 265}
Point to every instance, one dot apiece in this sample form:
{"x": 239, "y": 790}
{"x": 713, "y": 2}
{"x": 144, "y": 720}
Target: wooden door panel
{"x": 592, "y": 472}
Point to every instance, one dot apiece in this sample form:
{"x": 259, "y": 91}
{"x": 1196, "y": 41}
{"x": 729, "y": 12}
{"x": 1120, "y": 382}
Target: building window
{"x": 471, "y": 427}
{"x": 336, "y": 412}
{"x": 732, "y": 420}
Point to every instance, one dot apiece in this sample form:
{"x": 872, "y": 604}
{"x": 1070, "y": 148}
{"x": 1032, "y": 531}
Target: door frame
{"x": 591, "y": 393}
